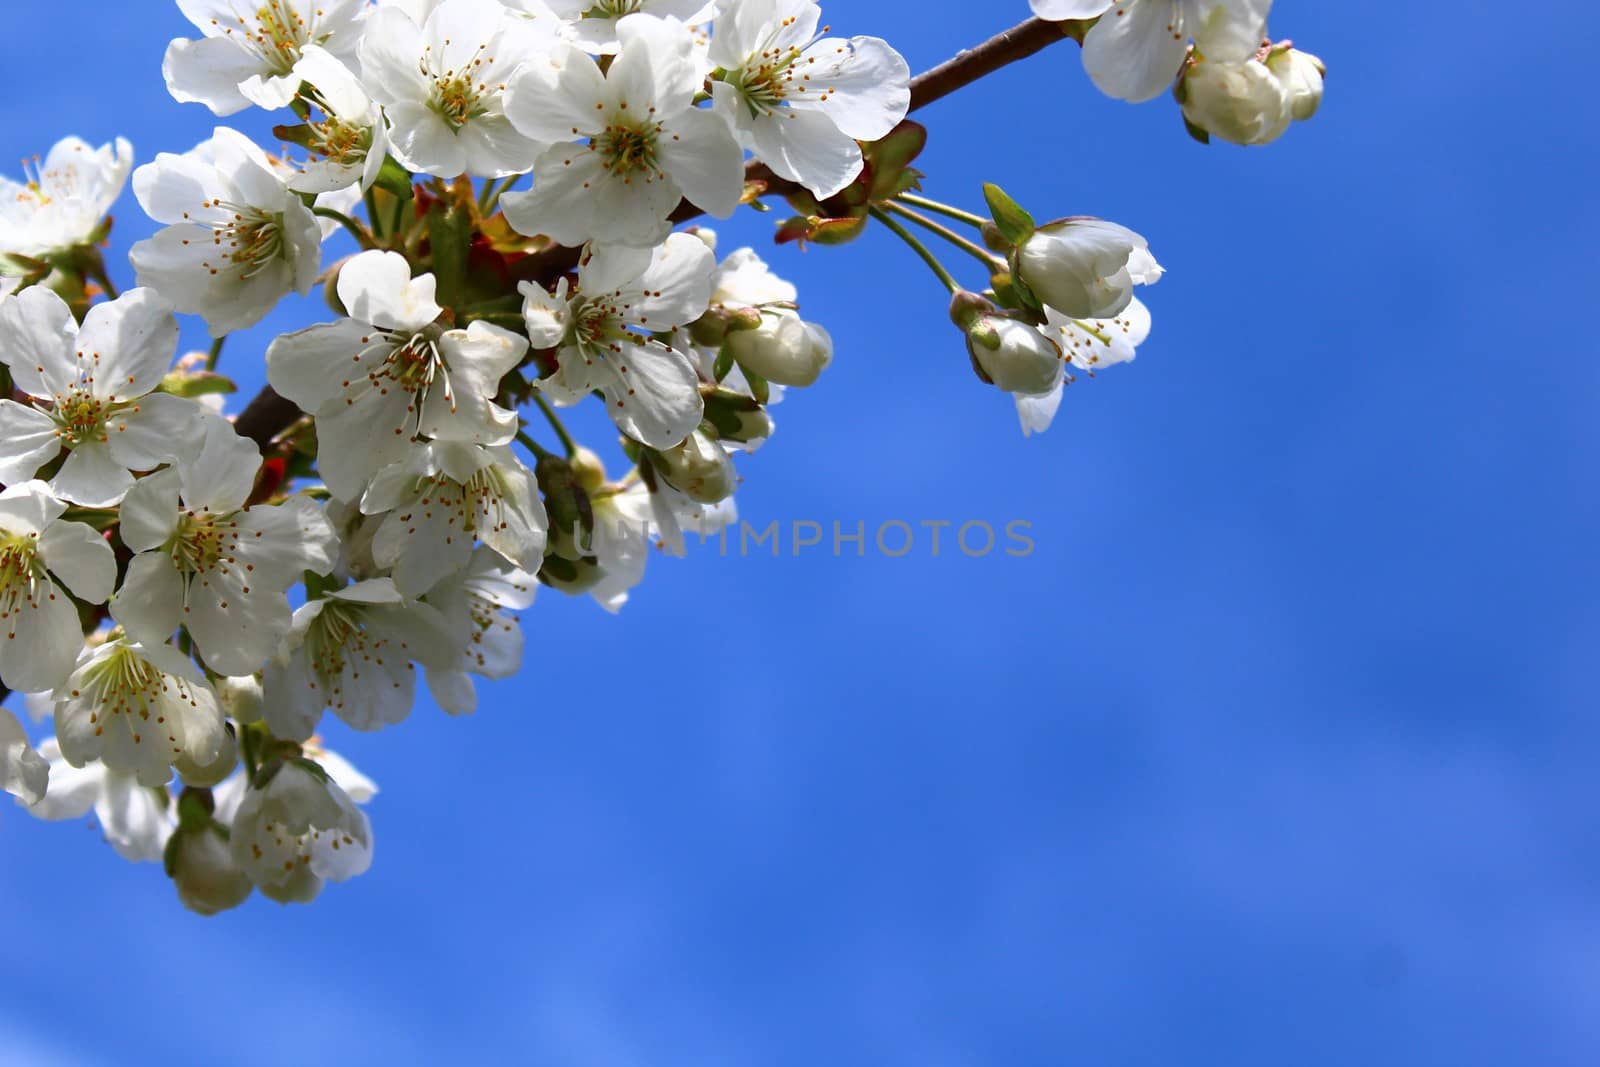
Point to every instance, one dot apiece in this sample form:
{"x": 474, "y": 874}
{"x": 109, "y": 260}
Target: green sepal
{"x": 394, "y": 179}
{"x": 1012, "y": 220}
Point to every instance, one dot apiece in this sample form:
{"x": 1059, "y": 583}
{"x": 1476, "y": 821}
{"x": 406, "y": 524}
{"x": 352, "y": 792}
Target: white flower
{"x": 1091, "y": 345}
{"x": 40, "y": 633}
{"x": 71, "y": 191}
{"x": 138, "y": 709}
{"x": 1243, "y": 102}
{"x": 1085, "y": 268}
{"x": 207, "y": 562}
{"x": 443, "y": 496}
{"x": 477, "y": 602}
{"x": 352, "y": 651}
{"x": 442, "y": 85}
{"x": 1015, "y": 356}
{"x": 295, "y": 829}
{"x": 23, "y": 772}
{"x": 135, "y": 819}
{"x": 1302, "y": 75}
{"x": 595, "y": 25}
{"x": 784, "y": 348}
{"x": 1136, "y": 49}
{"x": 652, "y": 391}
{"x": 348, "y": 144}
{"x": 94, "y": 387}
{"x": 745, "y": 280}
{"x": 642, "y": 144}
{"x": 801, "y": 103}
{"x": 389, "y": 375}
{"x": 250, "y": 49}
{"x": 237, "y": 238}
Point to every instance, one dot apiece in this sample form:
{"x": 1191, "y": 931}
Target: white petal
{"x": 377, "y": 288}
{"x": 1134, "y": 54}
{"x": 80, "y": 557}
{"x": 91, "y": 477}
{"x": 149, "y": 606}
{"x": 127, "y": 346}
{"x": 37, "y": 341}
{"x": 28, "y": 440}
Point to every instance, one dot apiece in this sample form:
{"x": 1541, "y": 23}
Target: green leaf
{"x": 196, "y": 384}
{"x": 1010, "y": 218}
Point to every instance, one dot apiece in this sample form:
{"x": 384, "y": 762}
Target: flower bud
{"x": 241, "y": 698}
{"x": 1243, "y": 103}
{"x": 1301, "y": 74}
{"x": 1014, "y": 356}
{"x": 204, "y": 776}
{"x": 699, "y": 468}
{"x": 785, "y": 349}
{"x": 567, "y": 504}
{"x": 201, "y": 864}
{"x": 737, "y": 417}
{"x": 1085, "y": 268}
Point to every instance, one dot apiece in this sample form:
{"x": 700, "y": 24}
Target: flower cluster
{"x": 187, "y": 596}
{"x": 1234, "y": 83}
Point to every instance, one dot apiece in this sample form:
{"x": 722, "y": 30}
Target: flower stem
{"x": 358, "y": 231}
{"x": 103, "y": 277}
{"x": 556, "y": 424}
{"x": 215, "y": 355}
{"x": 538, "y": 450}
{"x": 972, "y": 248}
{"x": 922, "y": 250}
{"x": 944, "y": 209}
{"x": 370, "y": 198}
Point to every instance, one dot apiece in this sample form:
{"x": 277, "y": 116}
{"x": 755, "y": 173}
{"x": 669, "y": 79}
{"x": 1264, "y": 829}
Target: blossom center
{"x": 627, "y": 149}
{"x": 124, "y": 683}
{"x": 249, "y": 238}
{"x": 341, "y": 142}
{"x": 456, "y": 100}
{"x": 613, "y": 9}
{"x": 277, "y": 34}
{"x": 204, "y": 543}
{"x": 81, "y": 417}
{"x": 22, "y": 576}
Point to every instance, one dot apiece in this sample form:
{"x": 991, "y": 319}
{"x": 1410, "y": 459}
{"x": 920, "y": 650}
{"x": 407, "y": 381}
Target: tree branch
{"x": 1003, "y": 49}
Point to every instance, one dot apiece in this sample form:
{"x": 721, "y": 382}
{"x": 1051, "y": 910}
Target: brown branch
{"x": 1003, "y": 49}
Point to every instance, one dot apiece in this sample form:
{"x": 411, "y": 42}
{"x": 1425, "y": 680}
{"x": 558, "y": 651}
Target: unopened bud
{"x": 1244, "y": 102}
{"x": 1302, "y": 75}
{"x": 566, "y": 501}
{"x": 784, "y": 349}
{"x": 201, "y": 865}
{"x": 204, "y": 776}
{"x": 241, "y": 698}
{"x": 737, "y": 417}
{"x": 1085, "y": 268}
{"x": 966, "y": 308}
{"x": 1014, "y": 356}
{"x": 699, "y": 468}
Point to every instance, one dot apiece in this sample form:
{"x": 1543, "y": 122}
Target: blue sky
{"x": 1279, "y": 748}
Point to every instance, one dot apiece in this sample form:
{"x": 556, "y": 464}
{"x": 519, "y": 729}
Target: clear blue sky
{"x": 1280, "y": 748}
